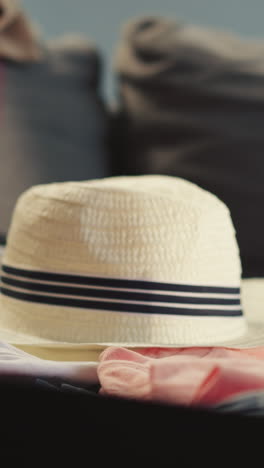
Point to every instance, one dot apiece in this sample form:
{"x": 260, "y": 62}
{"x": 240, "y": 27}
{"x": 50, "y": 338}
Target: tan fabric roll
{"x": 18, "y": 40}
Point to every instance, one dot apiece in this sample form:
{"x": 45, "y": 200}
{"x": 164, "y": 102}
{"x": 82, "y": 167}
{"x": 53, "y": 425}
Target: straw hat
{"x": 135, "y": 261}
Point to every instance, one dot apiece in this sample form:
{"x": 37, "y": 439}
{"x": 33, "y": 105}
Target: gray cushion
{"x": 54, "y": 124}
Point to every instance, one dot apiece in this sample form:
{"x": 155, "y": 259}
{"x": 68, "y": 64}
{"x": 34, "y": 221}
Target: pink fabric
{"x": 189, "y": 376}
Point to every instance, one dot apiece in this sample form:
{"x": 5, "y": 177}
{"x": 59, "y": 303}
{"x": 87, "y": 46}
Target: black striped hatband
{"x": 119, "y": 295}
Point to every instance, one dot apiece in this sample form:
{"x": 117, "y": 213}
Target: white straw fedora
{"x": 133, "y": 261}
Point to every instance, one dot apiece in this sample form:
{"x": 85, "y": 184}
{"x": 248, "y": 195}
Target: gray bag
{"x": 54, "y": 124}
{"x": 191, "y": 104}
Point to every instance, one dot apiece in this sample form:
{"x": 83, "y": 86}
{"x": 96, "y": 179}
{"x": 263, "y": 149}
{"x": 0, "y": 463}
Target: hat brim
{"x": 253, "y": 306}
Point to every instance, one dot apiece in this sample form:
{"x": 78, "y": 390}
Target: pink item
{"x": 190, "y": 376}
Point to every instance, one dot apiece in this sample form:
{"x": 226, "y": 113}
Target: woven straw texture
{"x": 154, "y": 228}
{"x": 146, "y": 227}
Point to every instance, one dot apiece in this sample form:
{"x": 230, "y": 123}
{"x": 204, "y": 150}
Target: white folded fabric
{"x": 17, "y": 363}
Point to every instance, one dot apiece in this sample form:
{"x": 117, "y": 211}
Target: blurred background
{"x": 188, "y": 102}
{"x": 102, "y": 20}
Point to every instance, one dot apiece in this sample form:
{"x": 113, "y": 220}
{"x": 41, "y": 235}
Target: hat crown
{"x": 140, "y": 227}
{"x": 139, "y": 259}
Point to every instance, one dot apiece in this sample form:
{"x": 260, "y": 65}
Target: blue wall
{"x": 102, "y": 20}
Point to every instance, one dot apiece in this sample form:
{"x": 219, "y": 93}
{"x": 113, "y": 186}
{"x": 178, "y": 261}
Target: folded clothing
{"x": 183, "y": 376}
{"x": 19, "y": 365}
{"x": 54, "y": 123}
{"x": 248, "y": 404}
{"x": 66, "y": 388}
{"x": 191, "y": 104}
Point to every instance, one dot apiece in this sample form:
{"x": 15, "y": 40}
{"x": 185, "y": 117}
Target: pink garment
{"x": 189, "y": 376}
